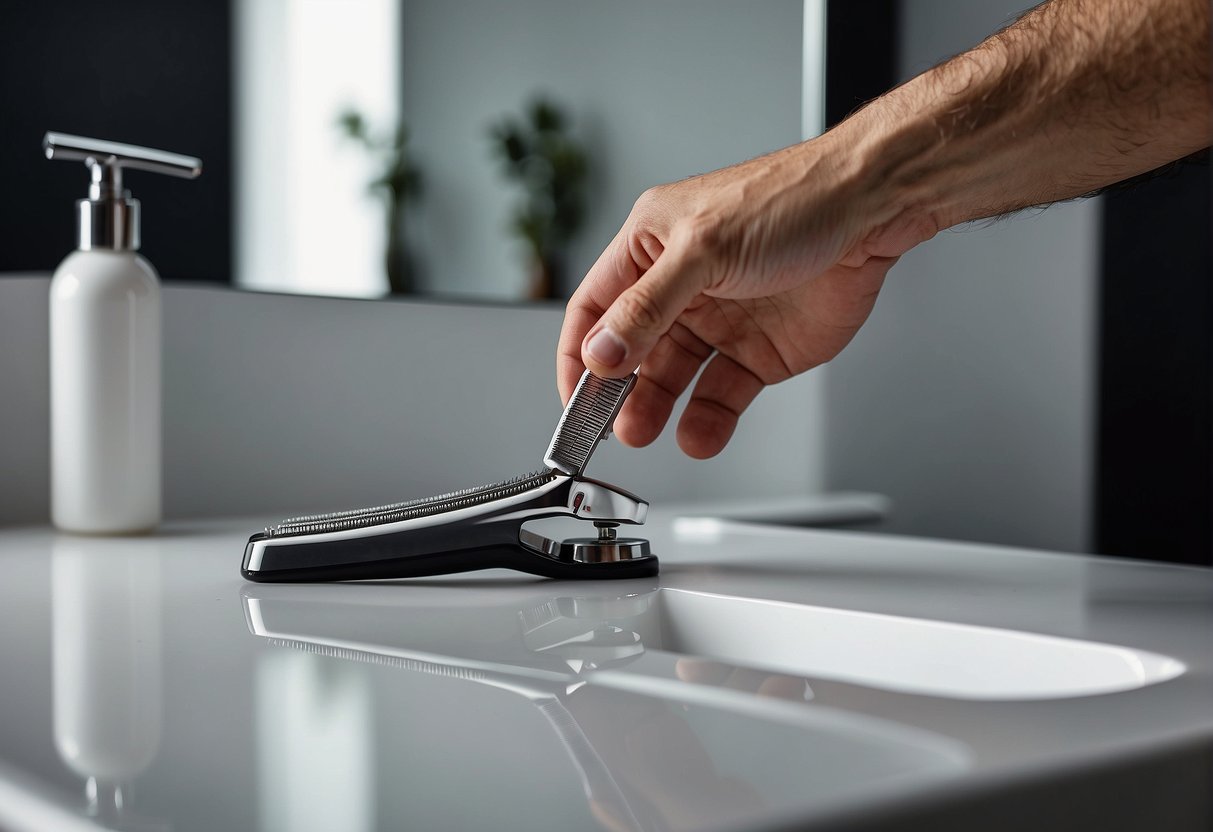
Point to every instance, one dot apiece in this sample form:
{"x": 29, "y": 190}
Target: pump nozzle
{"x": 109, "y": 218}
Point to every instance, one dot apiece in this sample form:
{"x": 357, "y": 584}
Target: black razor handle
{"x": 441, "y": 550}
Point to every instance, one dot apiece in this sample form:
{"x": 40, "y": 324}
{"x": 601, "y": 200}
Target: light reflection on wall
{"x": 304, "y": 219}
{"x": 654, "y": 91}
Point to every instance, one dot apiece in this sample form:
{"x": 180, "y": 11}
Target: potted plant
{"x": 538, "y": 153}
{"x": 398, "y": 183}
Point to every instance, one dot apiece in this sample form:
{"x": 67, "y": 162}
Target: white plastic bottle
{"x": 105, "y": 351}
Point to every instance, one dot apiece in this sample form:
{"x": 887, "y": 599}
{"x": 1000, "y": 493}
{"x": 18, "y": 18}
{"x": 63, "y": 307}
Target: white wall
{"x": 658, "y": 90}
{"x": 968, "y": 398}
{"x": 305, "y": 220}
{"x": 24, "y": 399}
{"x": 278, "y": 404}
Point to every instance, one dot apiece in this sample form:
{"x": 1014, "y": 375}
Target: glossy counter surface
{"x": 769, "y": 678}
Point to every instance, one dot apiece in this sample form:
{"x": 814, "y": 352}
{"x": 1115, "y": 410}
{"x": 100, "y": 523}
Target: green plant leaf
{"x": 551, "y": 168}
{"x": 354, "y": 125}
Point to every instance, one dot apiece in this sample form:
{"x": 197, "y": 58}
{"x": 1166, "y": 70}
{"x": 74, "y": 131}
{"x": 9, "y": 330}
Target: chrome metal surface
{"x": 600, "y": 501}
{"x": 586, "y": 421}
{"x": 597, "y": 550}
{"x": 109, "y": 217}
{"x": 116, "y": 154}
{"x": 541, "y": 544}
{"x": 108, "y": 224}
{"x": 586, "y": 549}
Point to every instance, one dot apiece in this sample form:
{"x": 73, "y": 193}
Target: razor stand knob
{"x": 605, "y": 548}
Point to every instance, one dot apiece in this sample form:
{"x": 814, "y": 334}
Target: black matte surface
{"x": 138, "y": 71}
{"x": 861, "y": 54}
{"x": 454, "y": 562}
{"x": 439, "y": 550}
{"x": 1154, "y": 478}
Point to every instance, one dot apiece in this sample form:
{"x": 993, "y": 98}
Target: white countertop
{"x": 769, "y": 678}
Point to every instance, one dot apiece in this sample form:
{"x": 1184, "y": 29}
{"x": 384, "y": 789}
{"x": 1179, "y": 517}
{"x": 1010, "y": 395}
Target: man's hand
{"x": 767, "y": 269}
{"x": 738, "y": 269}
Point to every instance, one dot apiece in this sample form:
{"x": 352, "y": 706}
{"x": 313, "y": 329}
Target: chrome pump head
{"x": 109, "y": 217}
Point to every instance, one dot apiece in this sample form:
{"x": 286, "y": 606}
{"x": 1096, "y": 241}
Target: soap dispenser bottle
{"x": 105, "y": 349}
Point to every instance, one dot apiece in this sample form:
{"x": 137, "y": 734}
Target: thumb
{"x": 642, "y": 313}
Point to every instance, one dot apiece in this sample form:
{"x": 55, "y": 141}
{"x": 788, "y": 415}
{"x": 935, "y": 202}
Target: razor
{"x": 478, "y": 528}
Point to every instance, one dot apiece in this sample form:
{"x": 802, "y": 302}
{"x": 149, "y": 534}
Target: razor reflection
{"x": 639, "y": 761}
{"x": 478, "y": 528}
{"x": 563, "y": 645}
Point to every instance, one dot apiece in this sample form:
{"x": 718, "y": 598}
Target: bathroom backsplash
{"x": 278, "y": 403}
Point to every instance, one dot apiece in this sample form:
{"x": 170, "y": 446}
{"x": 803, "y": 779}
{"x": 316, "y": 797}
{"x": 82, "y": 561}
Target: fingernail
{"x": 606, "y": 348}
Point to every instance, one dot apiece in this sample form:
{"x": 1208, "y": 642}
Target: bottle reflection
{"x": 107, "y": 667}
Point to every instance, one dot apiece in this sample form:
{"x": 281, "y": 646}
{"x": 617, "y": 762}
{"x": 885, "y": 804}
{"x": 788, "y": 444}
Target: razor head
{"x": 586, "y": 421}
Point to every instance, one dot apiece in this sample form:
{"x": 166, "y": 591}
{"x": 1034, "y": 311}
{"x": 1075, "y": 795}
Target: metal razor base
{"x": 594, "y": 550}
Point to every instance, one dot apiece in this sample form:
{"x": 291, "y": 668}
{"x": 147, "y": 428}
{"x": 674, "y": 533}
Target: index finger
{"x": 613, "y": 272}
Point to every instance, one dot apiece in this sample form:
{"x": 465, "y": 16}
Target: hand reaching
{"x": 767, "y": 269}
{"x": 760, "y": 270}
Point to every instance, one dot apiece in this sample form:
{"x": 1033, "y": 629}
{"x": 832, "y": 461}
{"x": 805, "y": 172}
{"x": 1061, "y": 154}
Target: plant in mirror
{"x": 523, "y": 117}
{"x": 397, "y": 183}
{"x": 538, "y": 152}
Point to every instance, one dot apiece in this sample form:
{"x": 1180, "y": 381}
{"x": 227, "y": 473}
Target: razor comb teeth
{"x": 412, "y": 509}
{"x": 586, "y": 421}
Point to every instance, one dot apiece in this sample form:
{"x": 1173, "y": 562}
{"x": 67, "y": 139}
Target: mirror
{"x": 490, "y": 151}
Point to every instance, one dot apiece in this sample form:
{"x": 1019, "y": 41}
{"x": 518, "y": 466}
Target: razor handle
{"x": 441, "y": 549}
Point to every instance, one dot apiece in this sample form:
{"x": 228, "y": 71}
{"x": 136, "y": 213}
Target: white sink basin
{"x": 910, "y": 655}
{"x": 576, "y": 667}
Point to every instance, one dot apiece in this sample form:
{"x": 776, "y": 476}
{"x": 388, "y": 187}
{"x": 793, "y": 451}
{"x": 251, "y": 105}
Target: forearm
{"x": 748, "y": 275}
{"x": 1075, "y": 96}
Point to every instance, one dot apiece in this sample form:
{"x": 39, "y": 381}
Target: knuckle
{"x": 704, "y": 234}
{"x": 640, "y": 310}
{"x": 647, "y": 201}
{"x": 644, "y": 247}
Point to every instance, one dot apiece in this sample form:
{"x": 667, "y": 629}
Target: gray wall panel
{"x": 969, "y": 396}
{"x": 280, "y": 403}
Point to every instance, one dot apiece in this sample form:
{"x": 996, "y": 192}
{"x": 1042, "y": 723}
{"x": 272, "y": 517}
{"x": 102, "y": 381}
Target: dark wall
{"x": 138, "y": 71}
{"x": 1154, "y": 485}
{"x": 861, "y": 54}
{"x": 1154, "y": 462}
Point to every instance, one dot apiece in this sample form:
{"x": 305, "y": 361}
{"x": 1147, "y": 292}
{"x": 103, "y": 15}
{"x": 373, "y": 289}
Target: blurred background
{"x": 1043, "y": 380}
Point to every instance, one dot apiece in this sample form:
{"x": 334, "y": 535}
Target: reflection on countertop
{"x": 640, "y": 761}
{"x": 767, "y": 677}
{"x": 107, "y": 687}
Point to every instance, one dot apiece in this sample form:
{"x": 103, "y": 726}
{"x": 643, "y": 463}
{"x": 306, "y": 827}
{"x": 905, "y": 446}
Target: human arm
{"x": 768, "y": 268}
